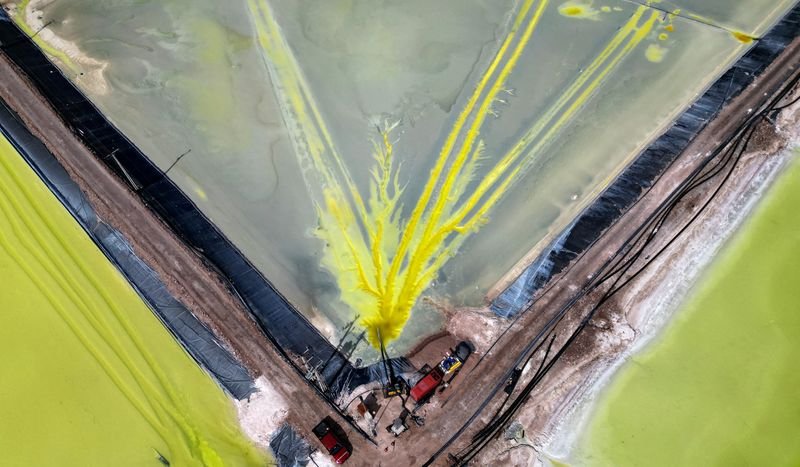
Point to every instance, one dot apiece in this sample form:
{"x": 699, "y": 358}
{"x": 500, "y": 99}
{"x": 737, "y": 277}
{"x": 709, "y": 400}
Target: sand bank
{"x": 86, "y": 71}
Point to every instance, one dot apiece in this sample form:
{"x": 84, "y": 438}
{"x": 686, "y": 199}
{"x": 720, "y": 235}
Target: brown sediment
{"x": 766, "y": 138}
{"x": 425, "y": 343}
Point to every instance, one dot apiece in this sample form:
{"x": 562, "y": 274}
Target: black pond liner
{"x": 201, "y": 344}
{"x": 645, "y": 170}
{"x": 282, "y": 324}
{"x": 289, "y": 448}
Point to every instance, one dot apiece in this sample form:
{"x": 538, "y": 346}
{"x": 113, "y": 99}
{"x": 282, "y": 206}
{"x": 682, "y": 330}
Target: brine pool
{"x": 90, "y": 376}
{"x": 719, "y": 388}
{"x": 376, "y": 159}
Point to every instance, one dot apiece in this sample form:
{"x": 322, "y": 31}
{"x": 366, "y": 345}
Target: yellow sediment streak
{"x": 314, "y": 148}
{"x": 314, "y": 139}
{"x": 381, "y": 263}
{"x": 418, "y": 260}
{"x": 450, "y": 142}
{"x": 584, "y": 87}
{"x": 414, "y": 282}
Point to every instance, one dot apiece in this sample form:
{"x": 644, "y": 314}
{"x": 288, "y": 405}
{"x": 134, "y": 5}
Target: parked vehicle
{"x": 463, "y": 350}
{"x": 427, "y": 385}
{"x": 333, "y": 440}
{"x": 450, "y": 365}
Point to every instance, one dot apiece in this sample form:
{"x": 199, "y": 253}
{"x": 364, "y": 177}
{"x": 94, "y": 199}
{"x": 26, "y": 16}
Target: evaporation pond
{"x": 720, "y": 388}
{"x": 90, "y": 375}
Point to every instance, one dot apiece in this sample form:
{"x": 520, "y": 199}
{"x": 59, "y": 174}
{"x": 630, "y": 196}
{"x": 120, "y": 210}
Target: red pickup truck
{"x": 337, "y": 447}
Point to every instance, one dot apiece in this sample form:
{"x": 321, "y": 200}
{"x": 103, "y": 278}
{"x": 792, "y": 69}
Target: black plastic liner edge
{"x": 289, "y": 448}
{"x": 198, "y": 341}
{"x": 645, "y": 170}
{"x": 282, "y": 324}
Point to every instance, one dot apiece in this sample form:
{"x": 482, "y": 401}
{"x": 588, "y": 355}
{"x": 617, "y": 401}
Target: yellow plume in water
{"x": 383, "y": 262}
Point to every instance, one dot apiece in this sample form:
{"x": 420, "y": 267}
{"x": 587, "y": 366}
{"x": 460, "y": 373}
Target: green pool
{"x": 88, "y": 375}
{"x": 721, "y": 387}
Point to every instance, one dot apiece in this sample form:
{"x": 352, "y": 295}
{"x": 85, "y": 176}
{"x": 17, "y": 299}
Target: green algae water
{"x": 89, "y": 374}
{"x": 721, "y": 387}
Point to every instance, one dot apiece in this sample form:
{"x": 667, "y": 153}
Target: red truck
{"x": 427, "y": 385}
{"x": 335, "y": 443}
{"x": 450, "y": 364}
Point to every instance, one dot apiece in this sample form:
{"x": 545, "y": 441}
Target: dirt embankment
{"x": 562, "y": 405}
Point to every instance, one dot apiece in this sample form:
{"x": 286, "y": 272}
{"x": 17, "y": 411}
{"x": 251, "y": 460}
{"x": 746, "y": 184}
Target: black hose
{"x": 621, "y": 264}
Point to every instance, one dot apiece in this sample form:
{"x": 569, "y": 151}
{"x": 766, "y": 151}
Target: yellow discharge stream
{"x": 90, "y": 376}
{"x": 383, "y": 262}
